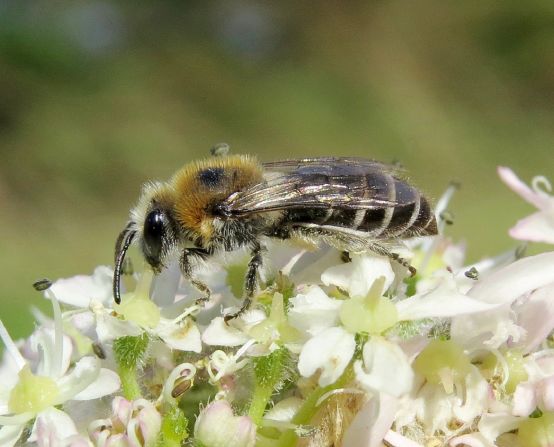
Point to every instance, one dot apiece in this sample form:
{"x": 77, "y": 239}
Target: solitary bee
{"x": 228, "y": 202}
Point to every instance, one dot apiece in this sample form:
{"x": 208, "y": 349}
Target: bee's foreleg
{"x": 250, "y": 281}
{"x": 189, "y": 257}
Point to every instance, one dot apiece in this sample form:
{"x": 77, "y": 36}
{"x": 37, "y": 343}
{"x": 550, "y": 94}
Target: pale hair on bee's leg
{"x": 250, "y": 281}
{"x": 350, "y": 242}
{"x": 188, "y": 257}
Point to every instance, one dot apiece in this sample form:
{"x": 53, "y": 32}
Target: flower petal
{"x": 109, "y": 328}
{"x": 183, "y": 336}
{"x": 313, "y": 311}
{"x": 10, "y": 434}
{"x": 86, "y": 371}
{"x": 330, "y": 351}
{"x": 385, "y": 368}
{"x": 397, "y": 440}
{"x": 524, "y": 401}
{"x": 492, "y": 425}
{"x": 516, "y": 279}
{"x": 372, "y": 422}
{"x": 443, "y": 301}
{"x": 515, "y": 184}
{"x": 536, "y": 316}
{"x": 107, "y": 382}
{"x": 42, "y": 344}
{"x": 470, "y": 440}
{"x": 51, "y": 427}
{"x": 538, "y": 227}
{"x": 358, "y": 276}
{"x": 220, "y": 334}
{"x": 79, "y": 290}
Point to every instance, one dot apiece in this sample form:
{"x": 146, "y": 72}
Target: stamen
{"x": 11, "y": 347}
{"x": 189, "y": 371}
{"x": 443, "y": 202}
{"x": 189, "y": 311}
{"x": 541, "y": 185}
{"x": 42, "y": 284}
{"x": 222, "y": 363}
{"x": 181, "y": 387}
{"x": 57, "y": 359}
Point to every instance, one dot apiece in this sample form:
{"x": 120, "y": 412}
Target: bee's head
{"x": 152, "y": 227}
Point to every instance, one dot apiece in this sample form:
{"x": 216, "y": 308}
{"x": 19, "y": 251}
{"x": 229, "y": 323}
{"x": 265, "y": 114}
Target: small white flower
{"x": 52, "y": 383}
{"x": 538, "y": 227}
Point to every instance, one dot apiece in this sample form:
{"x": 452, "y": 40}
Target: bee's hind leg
{"x": 380, "y": 250}
{"x": 250, "y": 281}
{"x": 188, "y": 257}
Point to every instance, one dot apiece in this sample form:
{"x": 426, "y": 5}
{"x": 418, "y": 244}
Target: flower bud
{"x": 216, "y": 426}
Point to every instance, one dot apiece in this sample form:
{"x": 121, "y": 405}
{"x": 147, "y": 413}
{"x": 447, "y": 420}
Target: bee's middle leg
{"x": 250, "y": 281}
{"x": 188, "y": 257}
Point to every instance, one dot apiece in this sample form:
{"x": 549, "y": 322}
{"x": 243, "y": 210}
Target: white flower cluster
{"x": 333, "y": 353}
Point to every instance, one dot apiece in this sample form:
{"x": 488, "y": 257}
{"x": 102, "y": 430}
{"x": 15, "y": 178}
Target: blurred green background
{"x": 97, "y": 96}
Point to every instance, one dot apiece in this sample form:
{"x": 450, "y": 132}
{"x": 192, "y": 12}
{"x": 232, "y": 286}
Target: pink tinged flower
{"x": 133, "y": 424}
{"x": 490, "y": 426}
{"x": 217, "y": 426}
{"x": 372, "y": 422}
{"x": 538, "y": 227}
{"x": 536, "y": 317}
{"x": 329, "y": 352}
{"x": 502, "y": 288}
{"x": 54, "y": 428}
{"x": 538, "y": 391}
{"x": 385, "y": 368}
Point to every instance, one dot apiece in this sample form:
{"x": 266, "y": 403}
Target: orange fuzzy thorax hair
{"x": 199, "y": 184}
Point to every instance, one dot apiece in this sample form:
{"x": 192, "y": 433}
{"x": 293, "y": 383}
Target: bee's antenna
{"x": 122, "y": 244}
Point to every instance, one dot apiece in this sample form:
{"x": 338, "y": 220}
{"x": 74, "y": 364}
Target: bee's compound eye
{"x": 154, "y": 232}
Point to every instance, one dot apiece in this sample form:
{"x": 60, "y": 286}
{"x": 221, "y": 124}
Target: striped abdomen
{"x": 411, "y": 216}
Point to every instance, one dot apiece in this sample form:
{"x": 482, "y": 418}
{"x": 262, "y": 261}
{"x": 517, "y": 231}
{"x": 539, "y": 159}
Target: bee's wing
{"x": 339, "y": 183}
{"x": 294, "y": 164}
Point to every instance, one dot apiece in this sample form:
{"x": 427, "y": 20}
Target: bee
{"x": 232, "y": 201}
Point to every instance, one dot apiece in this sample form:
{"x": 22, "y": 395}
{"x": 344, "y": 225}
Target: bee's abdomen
{"x": 411, "y": 216}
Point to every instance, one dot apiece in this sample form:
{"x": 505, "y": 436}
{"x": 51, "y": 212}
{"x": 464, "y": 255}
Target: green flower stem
{"x": 262, "y": 394}
{"x": 128, "y": 353}
{"x": 308, "y": 410}
{"x": 129, "y": 382}
{"x": 268, "y": 371}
